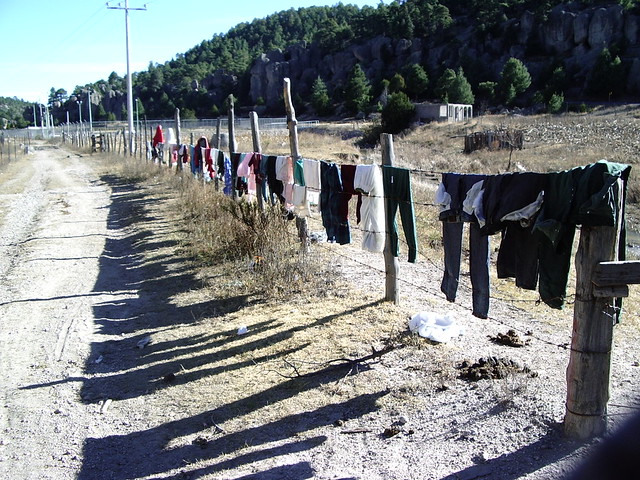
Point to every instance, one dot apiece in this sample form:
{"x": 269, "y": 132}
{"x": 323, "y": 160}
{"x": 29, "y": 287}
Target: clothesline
{"x": 296, "y": 182}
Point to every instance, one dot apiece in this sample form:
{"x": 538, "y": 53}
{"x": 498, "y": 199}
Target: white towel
{"x": 368, "y": 179}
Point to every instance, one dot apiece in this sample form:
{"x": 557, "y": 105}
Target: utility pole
{"x": 90, "y": 116}
{"x": 129, "y": 86}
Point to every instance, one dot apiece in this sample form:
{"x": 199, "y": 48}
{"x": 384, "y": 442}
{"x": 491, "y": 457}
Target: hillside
{"x": 578, "y": 51}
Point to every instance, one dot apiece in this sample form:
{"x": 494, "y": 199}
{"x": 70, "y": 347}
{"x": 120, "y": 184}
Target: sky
{"x": 62, "y": 44}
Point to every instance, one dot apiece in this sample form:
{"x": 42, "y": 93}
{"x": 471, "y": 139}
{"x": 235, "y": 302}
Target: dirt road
{"x": 53, "y": 231}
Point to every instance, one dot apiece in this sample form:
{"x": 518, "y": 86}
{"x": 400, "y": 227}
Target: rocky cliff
{"x": 571, "y": 35}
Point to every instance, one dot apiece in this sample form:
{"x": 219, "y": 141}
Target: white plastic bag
{"x": 436, "y": 326}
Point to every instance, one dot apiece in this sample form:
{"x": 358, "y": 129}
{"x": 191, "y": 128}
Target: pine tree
{"x": 358, "y": 91}
{"x": 320, "y": 100}
{"x": 444, "y": 84}
{"x": 417, "y": 81}
{"x": 460, "y": 90}
{"x": 397, "y": 83}
{"x": 515, "y": 79}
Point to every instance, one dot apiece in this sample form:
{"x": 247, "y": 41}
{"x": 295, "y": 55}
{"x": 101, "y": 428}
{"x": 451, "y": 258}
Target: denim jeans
{"x": 478, "y": 264}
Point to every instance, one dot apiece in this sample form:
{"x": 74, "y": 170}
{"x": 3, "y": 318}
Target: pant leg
{"x": 452, "y": 240}
{"x": 391, "y": 204}
{"x": 407, "y": 214}
{"x": 479, "y": 269}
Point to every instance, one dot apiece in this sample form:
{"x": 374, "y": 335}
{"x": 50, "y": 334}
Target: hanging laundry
{"x": 183, "y": 154}
{"x": 348, "y": 173}
{"x": 209, "y": 172}
{"x": 174, "y": 154}
{"x": 240, "y": 183}
{"x": 311, "y": 172}
{"x": 300, "y": 200}
{"x": 198, "y": 154}
{"x": 368, "y": 180}
{"x": 510, "y": 205}
{"x": 157, "y": 144}
{"x": 246, "y": 170}
{"x": 397, "y": 191}
{"x": 255, "y": 163}
{"x": 330, "y": 197}
{"x": 228, "y": 176}
{"x": 581, "y": 196}
{"x": 536, "y": 214}
{"x": 276, "y": 187}
{"x": 284, "y": 173}
{"x": 451, "y": 195}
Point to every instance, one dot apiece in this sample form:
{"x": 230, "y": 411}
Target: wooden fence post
{"x": 391, "y": 266}
{"x": 218, "y": 126}
{"x": 232, "y": 145}
{"x": 591, "y": 340}
{"x": 178, "y": 140}
{"x": 257, "y": 147}
{"x": 292, "y": 125}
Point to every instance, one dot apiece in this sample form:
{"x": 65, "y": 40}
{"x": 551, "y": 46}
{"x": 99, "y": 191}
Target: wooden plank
{"x": 611, "y": 291}
{"x": 617, "y": 273}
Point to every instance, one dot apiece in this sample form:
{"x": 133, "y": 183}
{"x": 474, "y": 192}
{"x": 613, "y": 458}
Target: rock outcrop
{"x": 571, "y": 35}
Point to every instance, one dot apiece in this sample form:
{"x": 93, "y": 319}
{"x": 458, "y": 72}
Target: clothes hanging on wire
{"x": 198, "y": 155}
{"x": 451, "y": 195}
{"x": 537, "y": 215}
{"x": 330, "y": 196}
{"x": 246, "y": 171}
{"x": 209, "y": 172}
{"x": 300, "y": 199}
{"x": 347, "y": 174}
{"x": 368, "y": 180}
{"x": 510, "y": 205}
{"x": 239, "y": 183}
{"x": 397, "y": 192}
{"x": 276, "y": 187}
{"x": 586, "y": 196}
{"x": 284, "y": 173}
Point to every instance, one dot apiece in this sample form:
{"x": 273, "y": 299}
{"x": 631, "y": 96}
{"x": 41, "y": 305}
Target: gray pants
{"x": 478, "y": 264}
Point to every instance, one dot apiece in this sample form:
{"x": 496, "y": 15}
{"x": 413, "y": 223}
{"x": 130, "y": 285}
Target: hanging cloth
{"x": 368, "y": 180}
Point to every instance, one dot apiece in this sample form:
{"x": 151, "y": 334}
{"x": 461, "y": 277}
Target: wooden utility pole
{"x": 292, "y": 125}
{"x": 257, "y": 147}
{"x": 391, "y": 266}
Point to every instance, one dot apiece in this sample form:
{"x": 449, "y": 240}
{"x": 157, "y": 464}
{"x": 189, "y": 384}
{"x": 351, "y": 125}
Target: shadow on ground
{"x": 125, "y": 371}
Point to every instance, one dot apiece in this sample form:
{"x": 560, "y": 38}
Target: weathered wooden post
{"x": 178, "y": 141}
{"x": 257, "y": 147}
{"x": 218, "y": 126}
{"x": 391, "y": 266}
{"x": 591, "y": 340}
{"x": 232, "y": 146}
{"x": 292, "y": 125}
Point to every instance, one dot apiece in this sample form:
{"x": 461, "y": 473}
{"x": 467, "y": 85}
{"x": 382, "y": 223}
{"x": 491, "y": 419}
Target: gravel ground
{"x": 112, "y": 371}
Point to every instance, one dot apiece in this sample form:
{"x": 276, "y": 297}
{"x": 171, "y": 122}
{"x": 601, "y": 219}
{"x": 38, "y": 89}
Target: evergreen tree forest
{"x": 186, "y": 80}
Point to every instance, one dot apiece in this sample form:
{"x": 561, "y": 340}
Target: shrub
{"x": 398, "y": 113}
{"x": 556, "y": 102}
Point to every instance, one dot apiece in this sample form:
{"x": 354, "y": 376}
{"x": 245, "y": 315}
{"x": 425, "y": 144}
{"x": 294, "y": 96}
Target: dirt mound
{"x": 491, "y": 368}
